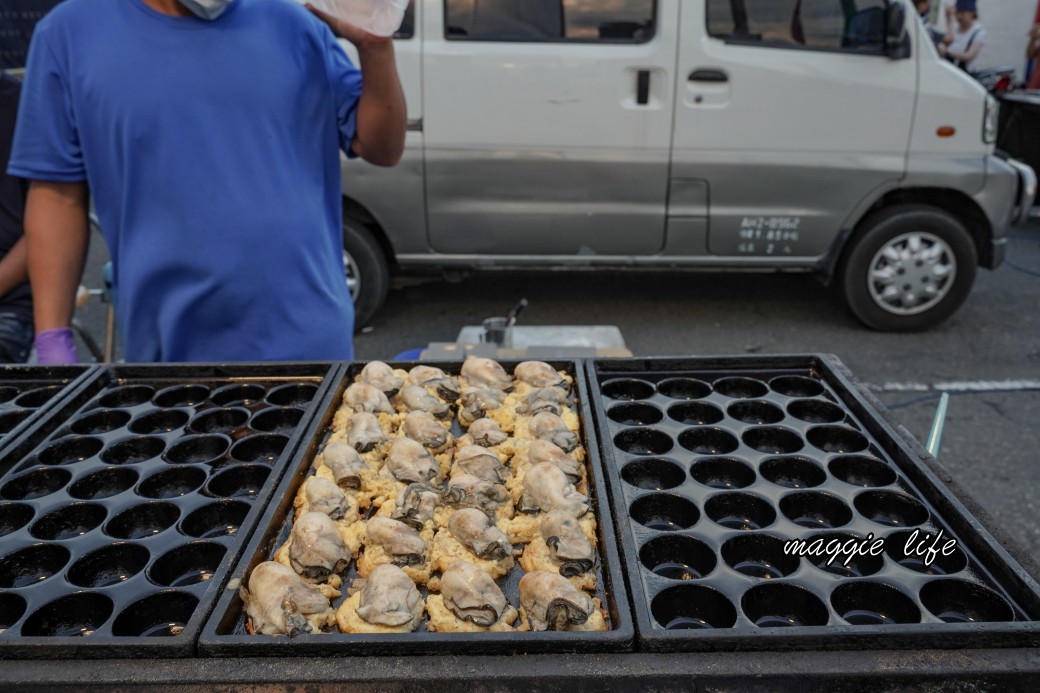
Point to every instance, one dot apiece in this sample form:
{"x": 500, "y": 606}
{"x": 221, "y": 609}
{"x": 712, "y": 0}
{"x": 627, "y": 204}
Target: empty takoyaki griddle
{"x": 716, "y": 464}
{"x": 26, "y": 392}
{"x": 122, "y": 511}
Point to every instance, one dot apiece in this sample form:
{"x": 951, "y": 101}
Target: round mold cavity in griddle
{"x": 133, "y": 450}
{"x": 756, "y": 412}
{"x": 849, "y": 563}
{"x": 635, "y": 414}
{"x": 37, "y": 397}
{"x": 225, "y": 420}
{"x": 198, "y": 449}
{"x": 104, "y": 483}
{"x": 173, "y": 482}
{"x": 722, "y": 473}
{"x": 160, "y": 421}
{"x": 960, "y": 601}
{"x": 238, "y": 394}
{"x": 10, "y": 419}
{"x": 70, "y": 450}
{"x": 32, "y": 565}
{"x": 239, "y": 481}
{"x": 816, "y": 411}
{"x": 708, "y": 441}
{"x": 74, "y": 615}
{"x": 815, "y": 510}
{"x": 7, "y": 393}
{"x": 664, "y": 512}
{"x": 780, "y": 605}
{"x": 792, "y": 472}
{"x": 127, "y": 396}
{"x": 111, "y": 565}
{"x": 837, "y": 439}
{"x": 653, "y": 474}
{"x": 774, "y": 440}
{"x": 695, "y": 413}
{"x": 181, "y": 396}
{"x": 186, "y": 565}
{"x": 14, "y": 516}
{"x": 12, "y": 608}
{"x": 643, "y": 441}
{"x": 219, "y": 519}
{"x": 100, "y": 421}
{"x": 265, "y": 448}
{"x": 36, "y": 484}
{"x": 292, "y": 394}
{"x": 865, "y": 603}
{"x": 283, "y": 420}
{"x": 911, "y": 551}
{"x": 684, "y": 388}
{"x": 742, "y": 511}
{"x": 759, "y": 556}
{"x": 796, "y": 386}
{"x": 158, "y": 615}
{"x": 678, "y": 557}
{"x": 69, "y": 522}
{"x": 862, "y": 470}
{"x": 143, "y": 521}
{"x": 692, "y": 607}
{"x": 891, "y": 508}
{"x": 628, "y": 389}
{"x": 741, "y": 388}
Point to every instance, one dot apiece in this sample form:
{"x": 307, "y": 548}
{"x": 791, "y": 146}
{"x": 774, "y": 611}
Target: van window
{"x": 834, "y": 25}
{"x": 407, "y": 28}
{"x": 610, "y": 21}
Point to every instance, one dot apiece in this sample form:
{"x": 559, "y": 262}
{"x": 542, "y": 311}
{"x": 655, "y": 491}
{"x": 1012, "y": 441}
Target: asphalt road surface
{"x": 987, "y": 355}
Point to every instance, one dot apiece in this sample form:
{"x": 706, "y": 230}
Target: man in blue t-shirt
{"x": 208, "y": 132}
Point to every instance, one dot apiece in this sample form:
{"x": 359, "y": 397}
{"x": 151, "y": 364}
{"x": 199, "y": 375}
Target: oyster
{"x": 367, "y": 398}
{"x": 539, "y": 374}
{"x": 415, "y": 505}
{"x": 550, "y": 399}
{"x": 382, "y": 377}
{"x": 345, "y": 464}
{"x": 546, "y": 488}
{"x": 466, "y": 490}
{"x": 410, "y": 462}
{"x": 279, "y": 602}
{"x": 568, "y": 543}
{"x": 552, "y": 602}
{"x": 476, "y": 532}
{"x": 389, "y": 598}
{"x": 486, "y": 372}
{"x": 364, "y": 432}
{"x": 475, "y": 460}
{"x": 472, "y": 595}
{"x": 324, "y": 496}
{"x": 416, "y": 398}
{"x": 487, "y": 433}
{"x": 422, "y": 427}
{"x": 544, "y": 451}
{"x": 317, "y": 549}
{"x": 475, "y": 402}
{"x": 551, "y": 427}
{"x": 398, "y": 539}
{"x": 445, "y": 386}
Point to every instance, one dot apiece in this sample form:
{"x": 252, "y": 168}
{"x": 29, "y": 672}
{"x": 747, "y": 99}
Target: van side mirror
{"x": 897, "y": 39}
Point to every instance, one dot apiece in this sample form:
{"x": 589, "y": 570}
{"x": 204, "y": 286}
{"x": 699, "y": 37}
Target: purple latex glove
{"x": 56, "y": 347}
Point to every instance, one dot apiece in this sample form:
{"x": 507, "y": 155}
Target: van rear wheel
{"x": 368, "y": 276}
{"x": 908, "y": 268}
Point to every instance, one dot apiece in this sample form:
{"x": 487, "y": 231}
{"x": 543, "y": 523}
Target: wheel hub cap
{"x": 912, "y": 273}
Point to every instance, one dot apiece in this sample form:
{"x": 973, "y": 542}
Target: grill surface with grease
{"x": 26, "y": 392}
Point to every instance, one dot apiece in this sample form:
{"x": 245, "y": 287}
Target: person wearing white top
{"x": 965, "y": 37}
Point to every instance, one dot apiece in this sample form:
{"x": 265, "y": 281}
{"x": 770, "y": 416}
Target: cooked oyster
{"x": 367, "y": 398}
{"x": 487, "y": 433}
{"x": 549, "y": 399}
{"x": 472, "y": 595}
{"x": 324, "y": 496}
{"x": 416, "y": 504}
{"x": 317, "y": 549}
{"x": 389, "y": 597}
{"x": 544, "y": 451}
{"x": 475, "y": 460}
{"x": 486, "y": 372}
{"x": 416, "y": 398}
{"x": 345, "y": 464}
{"x": 382, "y": 377}
{"x": 445, "y": 386}
{"x": 466, "y": 490}
{"x": 279, "y": 602}
{"x": 364, "y": 432}
{"x": 546, "y": 488}
{"x": 398, "y": 539}
{"x": 568, "y": 543}
{"x": 410, "y": 462}
{"x": 422, "y": 427}
{"x": 476, "y": 532}
{"x": 539, "y": 374}
{"x": 478, "y": 401}
{"x": 551, "y": 427}
{"x": 552, "y": 602}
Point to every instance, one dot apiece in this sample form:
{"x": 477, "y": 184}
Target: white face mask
{"x": 207, "y": 9}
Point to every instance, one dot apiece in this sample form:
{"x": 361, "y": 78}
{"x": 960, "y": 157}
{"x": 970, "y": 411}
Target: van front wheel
{"x": 368, "y": 276}
{"x": 908, "y": 268}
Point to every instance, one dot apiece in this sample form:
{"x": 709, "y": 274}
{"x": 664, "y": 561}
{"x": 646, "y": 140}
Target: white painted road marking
{"x": 959, "y": 386}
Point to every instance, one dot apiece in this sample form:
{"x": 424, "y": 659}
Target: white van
{"x": 823, "y": 136}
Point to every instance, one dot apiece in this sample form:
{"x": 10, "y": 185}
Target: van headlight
{"x": 989, "y": 123}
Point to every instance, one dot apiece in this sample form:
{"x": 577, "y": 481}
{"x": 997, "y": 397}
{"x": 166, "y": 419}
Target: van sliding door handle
{"x": 717, "y": 76}
{"x": 643, "y": 87}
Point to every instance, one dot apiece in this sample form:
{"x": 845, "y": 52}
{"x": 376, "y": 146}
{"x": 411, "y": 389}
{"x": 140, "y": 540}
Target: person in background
{"x": 924, "y": 7}
{"x": 965, "y": 36}
{"x": 209, "y": 133}
{"x": 1033, "y": 54}
{"x": 16, "y": 323}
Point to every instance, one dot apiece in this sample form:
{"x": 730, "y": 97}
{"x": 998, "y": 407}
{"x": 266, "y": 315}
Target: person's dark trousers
{"x": 16, "y": 338}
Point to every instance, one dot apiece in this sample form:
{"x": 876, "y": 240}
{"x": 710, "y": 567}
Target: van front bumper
{"x": 1006, "y": 199}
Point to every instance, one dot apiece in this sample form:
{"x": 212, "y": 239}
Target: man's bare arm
{"x": 56, "y": 231}
{"x": 14, "y": 267}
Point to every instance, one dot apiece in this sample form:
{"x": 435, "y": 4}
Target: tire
{"x": 908, "y": 268}
{"x": 368, "y": 275}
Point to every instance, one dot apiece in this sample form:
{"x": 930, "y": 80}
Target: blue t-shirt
{"x": 212, "y": 153}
